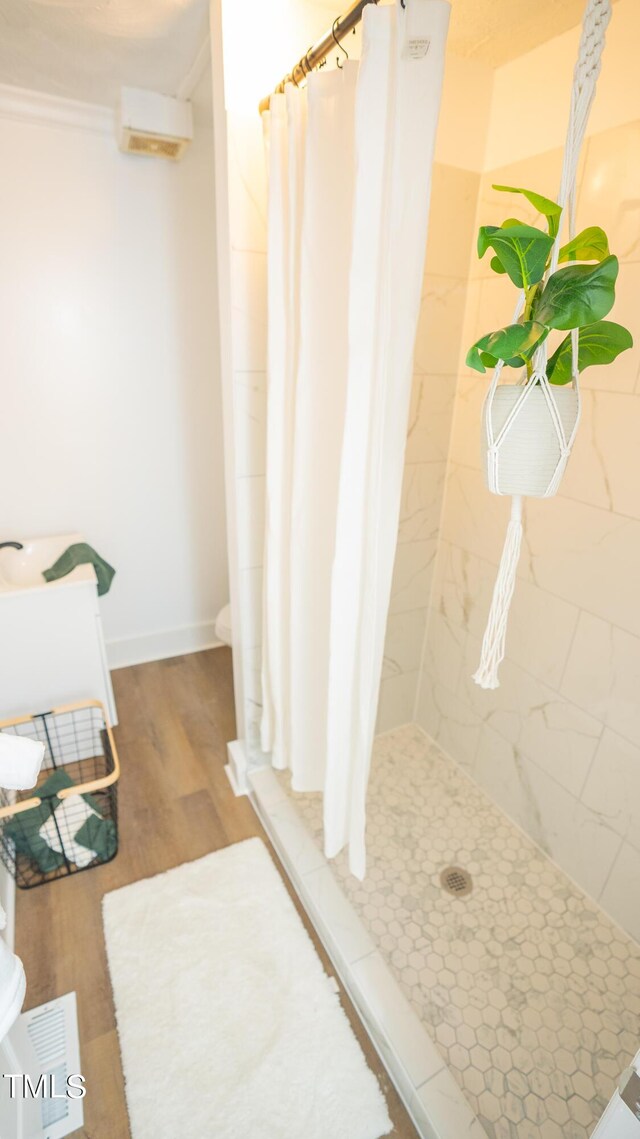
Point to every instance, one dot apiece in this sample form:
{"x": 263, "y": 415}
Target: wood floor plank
{"x": 175, "y": 804}
{"x": 103, "y": 1072}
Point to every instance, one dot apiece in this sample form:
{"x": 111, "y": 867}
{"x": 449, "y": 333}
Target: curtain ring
{"x": 305, "y": 59}
{"x": 337, "y": 42}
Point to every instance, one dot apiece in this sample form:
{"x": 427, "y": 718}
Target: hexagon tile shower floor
{"x": 532, "y": 995}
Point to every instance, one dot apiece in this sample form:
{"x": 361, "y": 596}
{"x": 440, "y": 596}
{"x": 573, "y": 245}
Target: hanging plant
{"x": 575, "y": 296}
{"x": 530, "y": 426}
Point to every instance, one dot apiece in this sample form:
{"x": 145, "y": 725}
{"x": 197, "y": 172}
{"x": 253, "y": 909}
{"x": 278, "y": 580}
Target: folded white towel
{"x": 72, "y": 813}
{"x": 20, "y": 761}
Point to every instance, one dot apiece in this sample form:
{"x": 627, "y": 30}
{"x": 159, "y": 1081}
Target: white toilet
{"x": 12, "y": 986}
{"x": 223, "y": 625}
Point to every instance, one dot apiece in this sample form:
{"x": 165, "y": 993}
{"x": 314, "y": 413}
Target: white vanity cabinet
{"x": 51, "y": 642}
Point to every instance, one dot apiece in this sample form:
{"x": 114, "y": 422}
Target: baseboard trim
{"x": 159, "y": 646}
{"x": 236, "y": 768}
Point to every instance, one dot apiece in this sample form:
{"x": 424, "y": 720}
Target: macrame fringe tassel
{"x": 493, "y": 644}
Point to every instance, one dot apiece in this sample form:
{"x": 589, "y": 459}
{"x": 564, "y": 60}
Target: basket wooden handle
{"x": 80, "y": 788}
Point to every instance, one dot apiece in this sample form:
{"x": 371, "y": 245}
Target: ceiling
{"x": 495, "y": 31}
{"x": 88, "y": 49}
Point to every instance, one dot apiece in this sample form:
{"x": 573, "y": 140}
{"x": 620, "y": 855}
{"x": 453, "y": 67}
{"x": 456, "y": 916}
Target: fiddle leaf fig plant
{"x": 598, "y": 343}
{"x": 522, "y": 250}
{"x": 551, "y": 210}
{"x": 575, "y": 296}
{"x": 590, "y": 244}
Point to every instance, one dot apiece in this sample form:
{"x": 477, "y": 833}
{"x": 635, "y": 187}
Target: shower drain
{"x": 456, "y": 881}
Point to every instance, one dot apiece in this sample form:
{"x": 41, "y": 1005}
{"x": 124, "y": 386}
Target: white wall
{"x": 111, "y": 400}
{"x": 531, "y": 94}
{"x": 464, "y": 114}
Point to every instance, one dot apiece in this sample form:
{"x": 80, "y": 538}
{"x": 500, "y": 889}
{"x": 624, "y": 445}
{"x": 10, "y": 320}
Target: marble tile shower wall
{"x": 453, "y": 206}
{"x": 557, "y": 746}
{"x": 454, "y": 199}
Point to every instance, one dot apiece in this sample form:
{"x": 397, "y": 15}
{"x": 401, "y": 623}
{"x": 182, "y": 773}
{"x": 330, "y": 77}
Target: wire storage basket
{"x": 68, "y": 822}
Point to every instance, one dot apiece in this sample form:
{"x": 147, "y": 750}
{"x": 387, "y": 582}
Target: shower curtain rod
{"x": 320, "y": 50}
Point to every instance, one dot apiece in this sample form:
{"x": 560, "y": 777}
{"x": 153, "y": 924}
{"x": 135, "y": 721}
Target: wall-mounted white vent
{"x": 152, "y": 124}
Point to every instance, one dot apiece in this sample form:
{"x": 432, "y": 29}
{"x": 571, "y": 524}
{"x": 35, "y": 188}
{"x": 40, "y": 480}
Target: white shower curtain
{"x": 284, "y": 131}
{"x": 365, "y": 202}
{"x": 321, "y": 389}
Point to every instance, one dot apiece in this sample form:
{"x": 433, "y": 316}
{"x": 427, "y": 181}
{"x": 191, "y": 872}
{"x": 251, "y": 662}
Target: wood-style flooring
{"x": 175, "y": 804}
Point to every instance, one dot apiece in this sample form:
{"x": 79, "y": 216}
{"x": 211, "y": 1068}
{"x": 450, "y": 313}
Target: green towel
{"x": 98, "y": 834}
{"x": 23, "y": 828}
{"x": 81, "y": 554}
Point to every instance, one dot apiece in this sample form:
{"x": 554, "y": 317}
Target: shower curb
{"x": 427, "y": 1088}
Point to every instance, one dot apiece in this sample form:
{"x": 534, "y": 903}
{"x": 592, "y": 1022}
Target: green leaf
{"x": 496, "y": 263}
{"x": 578, "y": 295}
{"x": 598, "y": 343}
{"x": 589, "y": 245}
{"x": 513, "y": 344}
{"x": 488, "y": 360}
{"x": 551, "y": 210}
{"x": 521, "y": 249}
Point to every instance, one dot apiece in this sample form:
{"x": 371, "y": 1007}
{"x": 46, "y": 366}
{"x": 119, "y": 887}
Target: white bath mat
{"x": 229, "y": 1028}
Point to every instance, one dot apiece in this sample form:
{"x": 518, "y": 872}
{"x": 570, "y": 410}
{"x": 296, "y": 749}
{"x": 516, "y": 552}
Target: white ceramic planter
{"x": 530, "y": 451}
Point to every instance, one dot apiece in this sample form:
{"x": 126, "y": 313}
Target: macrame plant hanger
{"x": 530, "y": 428}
